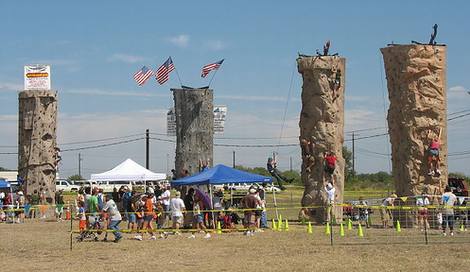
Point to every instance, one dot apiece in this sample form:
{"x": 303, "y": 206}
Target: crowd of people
{"x": 159, "y": 212}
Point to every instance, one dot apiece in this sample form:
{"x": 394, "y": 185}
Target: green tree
{"x": 3, "y": 169}
{"x": 75, "y": 177}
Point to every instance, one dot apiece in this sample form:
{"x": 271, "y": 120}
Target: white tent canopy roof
{"x": 128, "y": 170}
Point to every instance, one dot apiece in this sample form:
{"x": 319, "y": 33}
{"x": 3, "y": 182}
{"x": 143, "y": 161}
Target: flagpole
{"x": 178, "y": 75}
{"x": 213, "y": 75}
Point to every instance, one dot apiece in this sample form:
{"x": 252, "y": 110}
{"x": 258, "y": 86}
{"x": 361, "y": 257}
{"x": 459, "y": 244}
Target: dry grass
{"x": 44, "y": 246}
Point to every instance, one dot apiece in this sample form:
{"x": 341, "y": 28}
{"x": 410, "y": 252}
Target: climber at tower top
{"x": 433, "y": 154}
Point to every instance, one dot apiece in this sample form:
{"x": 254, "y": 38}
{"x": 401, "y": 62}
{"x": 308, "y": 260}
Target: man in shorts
{"x": 250, "y": 202}
{"x": 385, "y": 212}
{"x": 177, "y": 208}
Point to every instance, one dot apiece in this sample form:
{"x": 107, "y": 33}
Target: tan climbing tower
{"x": 322, "y": 122}
{"x": 416, "y": 80}
{"x": 37, "y": 156}
{"x": 194, "y": 110}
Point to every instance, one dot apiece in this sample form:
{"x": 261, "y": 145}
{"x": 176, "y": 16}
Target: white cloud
{"x": 126, "y": 58}
{"x": 216, "y": 45}
{"x": 181, "y": 40}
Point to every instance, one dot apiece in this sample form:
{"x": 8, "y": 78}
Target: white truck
{"x": 62, "y": 184}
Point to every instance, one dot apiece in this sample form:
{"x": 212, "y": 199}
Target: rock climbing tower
{"x": 416, "y": 81}
{"x": 321, "y": 128}
{"x": 37, "y": 153}
{"x": 194, "y": 112}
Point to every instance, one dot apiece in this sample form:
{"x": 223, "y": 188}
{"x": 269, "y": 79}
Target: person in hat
{"x": 250, "y": 203}
{"x": 386, "y": 211}
{"x": 177, "y": 209}
{"x": 111, "y": 209}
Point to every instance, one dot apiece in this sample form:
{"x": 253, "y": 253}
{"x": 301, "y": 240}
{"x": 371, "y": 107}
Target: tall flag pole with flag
{"x": 209, "y": 67}
{"x": 162, "y": 74}
{"x": 142, "y": 75}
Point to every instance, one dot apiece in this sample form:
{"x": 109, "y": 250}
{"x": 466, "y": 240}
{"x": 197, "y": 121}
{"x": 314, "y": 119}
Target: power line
{"x": 459, "y": 116}
{"x": 101, "y": 140}
{"x": 102, "y": 145}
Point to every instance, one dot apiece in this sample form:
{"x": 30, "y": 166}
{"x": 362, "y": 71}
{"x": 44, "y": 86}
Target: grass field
{"x": 45, "y": 246}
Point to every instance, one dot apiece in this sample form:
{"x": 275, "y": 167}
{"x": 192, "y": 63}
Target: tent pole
{"x": 275, "y": 202}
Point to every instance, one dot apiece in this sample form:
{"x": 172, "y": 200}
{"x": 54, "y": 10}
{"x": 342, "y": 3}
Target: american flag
{"x": 164, "y": 71}
{"x": 142, "y": 75}
{"x": 209, "y": 67}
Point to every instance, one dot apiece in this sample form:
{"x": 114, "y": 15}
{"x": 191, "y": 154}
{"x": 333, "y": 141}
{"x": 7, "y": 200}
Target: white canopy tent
{"x": 128, "y": 170}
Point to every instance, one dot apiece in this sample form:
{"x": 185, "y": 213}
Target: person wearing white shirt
{"x": 114, "y": 216}
{"x": 330, "y": 192}
{"x": 177, "y": 208}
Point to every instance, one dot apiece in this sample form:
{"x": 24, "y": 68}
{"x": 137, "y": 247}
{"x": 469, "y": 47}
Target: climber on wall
{"x": 329, "y": 165}
{"x": 272, "y": 169}
{"x": 307, "y": 153}
{"x": 433, "y": 155}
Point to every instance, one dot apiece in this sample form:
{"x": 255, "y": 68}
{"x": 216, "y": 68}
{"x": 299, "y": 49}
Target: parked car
{"x": 62, "y": 184}
{"x": 458, "y": 185}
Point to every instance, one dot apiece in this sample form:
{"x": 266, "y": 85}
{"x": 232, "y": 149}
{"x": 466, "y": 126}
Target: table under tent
{"x": 222, "y": 175}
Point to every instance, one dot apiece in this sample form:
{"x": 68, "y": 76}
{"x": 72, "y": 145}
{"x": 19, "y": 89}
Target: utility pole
{"x": 147, "y": 149}
{"x": 233, "y": 158}
{"x": 290, "y": 163}
{"x": 353, "y": 155}
{"x": 79, "y": 164}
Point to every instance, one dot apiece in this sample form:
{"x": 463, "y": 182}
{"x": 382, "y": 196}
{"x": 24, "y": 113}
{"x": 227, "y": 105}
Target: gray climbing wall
{"x": 194, "y": 128}
{"x": 322, "y": 122}
{"x": 37, "y": 141}
{"x": 416, "y": 81}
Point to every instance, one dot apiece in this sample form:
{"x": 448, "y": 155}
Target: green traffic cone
{"x": 341, "y": 230}
{"x": 219, "y": 229}
{"x": 309, "y": 228}
{"x": 359, "y": 230}
{"x": 286, "y": 225}
{"x": 462, "y": 228}
{"x": 279, "y": 225}
{"x": 327, "y": 229}
{"x": 349, "y": 224}
{"x": 398, "y": 226}
{"x": 274, "y": 226}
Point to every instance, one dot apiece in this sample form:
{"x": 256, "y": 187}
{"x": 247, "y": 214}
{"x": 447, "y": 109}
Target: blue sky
{"x": 94, "y": 47}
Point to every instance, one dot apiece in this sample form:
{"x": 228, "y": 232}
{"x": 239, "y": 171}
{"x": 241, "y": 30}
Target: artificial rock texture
{"x": 322, "y": 122}
{"x": 37, "y": 156}
{"x": 416, "y": 81}
{"x": 194, "y": 128}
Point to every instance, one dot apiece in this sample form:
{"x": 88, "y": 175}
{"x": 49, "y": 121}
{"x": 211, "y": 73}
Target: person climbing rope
{"x": 433, "y": 156}
{"x": 272, "y": 169}
{"x": 329, "y": 166}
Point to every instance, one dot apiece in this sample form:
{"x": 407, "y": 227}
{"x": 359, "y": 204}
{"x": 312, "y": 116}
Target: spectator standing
{"x": 114, "y": 217}
{"x": 385, "y": 211}
{"x": 330, "y": 201}
{"x": 177, "y": 208}
{"x": 165, "y": 199}
{"x": 422, "y": 202}
{"x": 59, "y": 204}
{"x": 250, "y": 202}
{"x": 189, "y": 204}
{"x": 448, "y": 200}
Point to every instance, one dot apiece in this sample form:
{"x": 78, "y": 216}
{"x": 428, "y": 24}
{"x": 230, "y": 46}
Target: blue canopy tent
{"x": 221, "y": 174}
{"x": 4, "y": 184}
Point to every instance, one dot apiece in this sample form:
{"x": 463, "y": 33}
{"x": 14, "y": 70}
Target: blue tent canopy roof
{"x": 221, "y": 174}
{"x": 4, "y": 184}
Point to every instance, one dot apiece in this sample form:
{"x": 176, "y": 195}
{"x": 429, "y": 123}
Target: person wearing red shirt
{"x": 330, "y": 165}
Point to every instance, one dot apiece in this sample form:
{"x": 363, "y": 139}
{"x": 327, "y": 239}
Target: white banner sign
{"x": 37, "y": 77}
{"x": 220, "y": 112}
